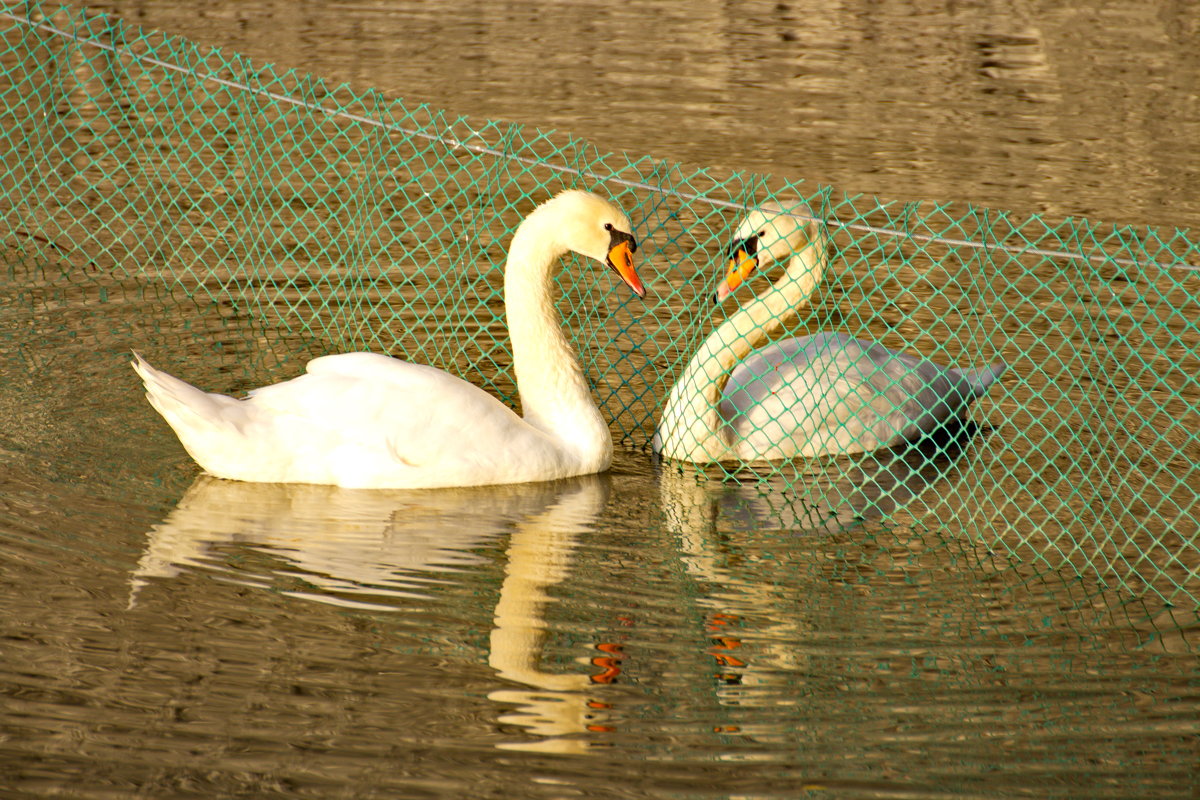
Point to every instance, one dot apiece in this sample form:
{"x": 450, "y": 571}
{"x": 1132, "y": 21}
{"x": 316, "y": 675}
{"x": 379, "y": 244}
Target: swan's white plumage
{"x": 365, "y": 420}
{"x": 830, "y": 393}
{"x": 801, "y": 397}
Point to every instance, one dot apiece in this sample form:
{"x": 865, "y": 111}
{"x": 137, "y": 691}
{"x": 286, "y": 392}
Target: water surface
{"x": 640, "y": 633}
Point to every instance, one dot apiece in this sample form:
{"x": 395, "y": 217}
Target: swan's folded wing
{"x": 831, "y": 393}
{"x": 376, "y": 414}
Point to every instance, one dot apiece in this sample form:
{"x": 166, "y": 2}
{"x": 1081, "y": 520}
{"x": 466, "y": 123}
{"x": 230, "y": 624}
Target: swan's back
{"x": 359, "y": 420}
{"x": 832, "y": 394}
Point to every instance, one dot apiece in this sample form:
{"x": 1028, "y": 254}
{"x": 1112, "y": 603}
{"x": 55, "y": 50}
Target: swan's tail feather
{"x": 182, "y": 405}
{"x": 980, "y": 378}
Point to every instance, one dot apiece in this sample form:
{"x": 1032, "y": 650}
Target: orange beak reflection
{"x": 740, "y": 268}
{"x": 620, "y": 258}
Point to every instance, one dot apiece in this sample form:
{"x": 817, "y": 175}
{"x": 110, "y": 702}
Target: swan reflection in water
{"x": 357, "y": 548}
{"x": 743, "y": 536}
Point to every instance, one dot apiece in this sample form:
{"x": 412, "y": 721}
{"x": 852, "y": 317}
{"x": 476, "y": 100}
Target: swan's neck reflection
{"x": 539, "y": 556}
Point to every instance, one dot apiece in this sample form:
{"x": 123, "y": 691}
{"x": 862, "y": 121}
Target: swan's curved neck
{"x": 555, "y": 397}
{"x": 692, "y": 429}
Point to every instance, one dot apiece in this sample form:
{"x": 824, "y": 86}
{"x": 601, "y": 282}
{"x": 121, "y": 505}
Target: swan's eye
{"x": 762, "y": 234}
{"x": 608, "y": 226}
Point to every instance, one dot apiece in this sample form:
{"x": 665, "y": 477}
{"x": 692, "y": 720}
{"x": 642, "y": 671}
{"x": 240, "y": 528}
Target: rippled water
{"x": 1083, "y": 108}
{"x": 636, "y": 634}
{"x": 632, "y": 634}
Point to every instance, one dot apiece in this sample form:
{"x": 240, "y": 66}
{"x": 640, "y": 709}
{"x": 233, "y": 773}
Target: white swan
{"x": 810, "y": 396}
{"x": 363, "y": 420}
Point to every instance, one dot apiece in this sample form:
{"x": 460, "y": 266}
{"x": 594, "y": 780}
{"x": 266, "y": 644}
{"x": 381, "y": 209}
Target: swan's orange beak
{"x": 620, "y": 258}
{"x": 741, "y": 265}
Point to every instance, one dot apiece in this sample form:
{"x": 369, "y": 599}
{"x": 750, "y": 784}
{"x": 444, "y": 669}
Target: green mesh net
{"x": 366, "y": 223}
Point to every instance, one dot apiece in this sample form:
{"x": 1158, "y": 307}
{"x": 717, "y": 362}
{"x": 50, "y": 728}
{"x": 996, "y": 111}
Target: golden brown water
{"x": 635, "y": 634}
{"x": 1070, "y": 109}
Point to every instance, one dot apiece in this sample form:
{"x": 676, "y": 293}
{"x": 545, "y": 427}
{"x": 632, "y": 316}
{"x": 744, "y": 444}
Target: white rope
{"x": 455, "y": 143}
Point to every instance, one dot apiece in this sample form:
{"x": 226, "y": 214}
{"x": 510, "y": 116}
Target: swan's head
{"x": 592, "y": 226}
{"x": 769, "y": 233}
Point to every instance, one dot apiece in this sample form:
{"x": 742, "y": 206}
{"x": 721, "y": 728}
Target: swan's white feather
{"x": 831, "y": 393}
